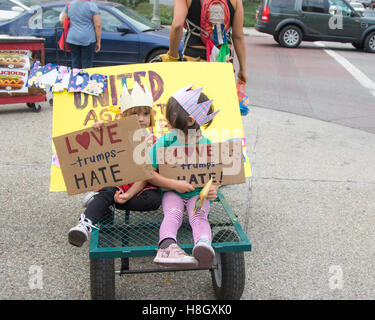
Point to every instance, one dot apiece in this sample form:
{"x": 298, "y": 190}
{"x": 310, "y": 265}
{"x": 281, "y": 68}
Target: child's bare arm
{"x": 180, "y": 186}
{"x": 121, "y": 197}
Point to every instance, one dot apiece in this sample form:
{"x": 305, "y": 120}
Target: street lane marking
{"x": 364, "y": 80}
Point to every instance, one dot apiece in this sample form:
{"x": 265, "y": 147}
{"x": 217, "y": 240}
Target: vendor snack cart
{"x": 33, "y": 94}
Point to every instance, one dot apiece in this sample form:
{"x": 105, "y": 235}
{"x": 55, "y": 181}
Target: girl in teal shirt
{"x": 188, "y": 109}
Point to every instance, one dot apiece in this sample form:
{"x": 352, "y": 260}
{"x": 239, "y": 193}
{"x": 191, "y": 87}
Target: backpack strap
{"x": 193, "y": 29}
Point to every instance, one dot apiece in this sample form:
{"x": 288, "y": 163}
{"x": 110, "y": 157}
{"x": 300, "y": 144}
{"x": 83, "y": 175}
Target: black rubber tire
{"x": 154, "y": 56}
{"x": 295, "y": 35}
{"x": 34, "y": 107}
{"x": 228, "y": 279}
{"x": 369, "y": 44}
{"x": 125, "y": 264}
{"x": 357, "y": 46}
{"x": 102, "y": 279}
{"x": 276, "y": 38}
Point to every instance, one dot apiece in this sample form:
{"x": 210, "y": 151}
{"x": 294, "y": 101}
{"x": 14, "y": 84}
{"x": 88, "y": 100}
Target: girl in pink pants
{"x": 187, "y": 110}
{"x": 174, "y": 207}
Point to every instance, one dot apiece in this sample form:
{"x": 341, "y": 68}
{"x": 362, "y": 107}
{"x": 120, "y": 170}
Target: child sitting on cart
{"x": 187, "y": 110}
{"x": 137, "y": 196}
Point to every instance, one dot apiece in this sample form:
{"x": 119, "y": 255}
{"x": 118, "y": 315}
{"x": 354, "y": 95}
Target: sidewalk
{"x": 312, "y": 208}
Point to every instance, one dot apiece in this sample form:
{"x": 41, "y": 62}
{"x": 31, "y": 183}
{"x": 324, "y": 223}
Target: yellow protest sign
{"x": 76, "y": 111}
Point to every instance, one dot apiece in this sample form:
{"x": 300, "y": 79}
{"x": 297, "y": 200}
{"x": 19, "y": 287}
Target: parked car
{"x": 293, "y": 21}
{"x": 127, "y": 37}
{"x": 358, "y": 7}
{"x": 9, "y": 9}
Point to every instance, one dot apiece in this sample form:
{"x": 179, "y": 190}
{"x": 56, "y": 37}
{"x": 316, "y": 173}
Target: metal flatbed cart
{"x": 124, "y": 235}
{"x": 34, "y": 95}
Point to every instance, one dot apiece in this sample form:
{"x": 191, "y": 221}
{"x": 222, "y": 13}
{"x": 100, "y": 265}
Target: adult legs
{"x": 75, "y": 52}
{"x": 87, "y": 55}
{"x": 82, "y": 56}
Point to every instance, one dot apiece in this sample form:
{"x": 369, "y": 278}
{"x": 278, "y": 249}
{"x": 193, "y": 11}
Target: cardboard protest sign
{"x": 76, "y": 110}
{"x": 91, "y": 159}
{"x": 197, "y": 164}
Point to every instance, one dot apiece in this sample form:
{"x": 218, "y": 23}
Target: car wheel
{"x": 155, "y": 55}
{"x": 370, "y": 43}
{"x": 290, "y": 37}
{"x": 276, "y": 38}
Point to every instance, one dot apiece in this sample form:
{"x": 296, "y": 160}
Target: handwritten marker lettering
{"x": 70, "y": 150}
{"x": 83, "y": 139}
{"x": 97, "y": 178}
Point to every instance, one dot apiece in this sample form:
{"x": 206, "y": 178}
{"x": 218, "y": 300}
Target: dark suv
{"x": 291, "y": 21}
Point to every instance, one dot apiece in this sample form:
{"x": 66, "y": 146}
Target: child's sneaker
{"x": 79, "y": 234}
{"x": 174, "y": 256}
{"x": 204, "y": 253}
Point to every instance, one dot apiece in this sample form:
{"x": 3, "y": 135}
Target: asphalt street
{"x": 311, "y": 215}
{"x": 328, "y": 81}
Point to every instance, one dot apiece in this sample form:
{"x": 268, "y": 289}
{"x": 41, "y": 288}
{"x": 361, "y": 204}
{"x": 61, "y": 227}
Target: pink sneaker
{"x": 204, "y": 253}
{"x": 174, "y": 256}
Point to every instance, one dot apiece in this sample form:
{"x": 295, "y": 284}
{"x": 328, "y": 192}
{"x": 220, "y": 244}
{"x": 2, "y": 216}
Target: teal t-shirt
{"x": 171, "y": 140}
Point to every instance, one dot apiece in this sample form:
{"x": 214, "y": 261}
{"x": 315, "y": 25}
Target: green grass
{"x": 249, "y": 13}
{"x": 166, "y": 12}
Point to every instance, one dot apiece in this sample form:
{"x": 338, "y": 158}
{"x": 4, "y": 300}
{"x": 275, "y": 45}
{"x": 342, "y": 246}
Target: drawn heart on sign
{"x": 83, "y": 139}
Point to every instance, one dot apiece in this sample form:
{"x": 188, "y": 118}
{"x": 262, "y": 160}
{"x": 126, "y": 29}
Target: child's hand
{"x": 182, "y": 186}
{"x": 121, "y": 197}
{"x": 212, "y": 193}
{"x": 98, "y": 125}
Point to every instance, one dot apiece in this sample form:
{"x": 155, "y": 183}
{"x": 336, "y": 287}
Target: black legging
{"x": 148, "y": 200}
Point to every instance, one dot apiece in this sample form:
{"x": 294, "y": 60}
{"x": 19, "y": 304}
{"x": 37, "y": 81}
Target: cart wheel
{"x": 102, "y": 279}
{"x": 34, "y": 107}
{"x": 228, "y": 279}
{"x": 125, "y": 264}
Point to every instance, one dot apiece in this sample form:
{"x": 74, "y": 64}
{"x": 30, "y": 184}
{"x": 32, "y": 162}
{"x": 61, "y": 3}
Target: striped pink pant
{"x": 173, "y": 209}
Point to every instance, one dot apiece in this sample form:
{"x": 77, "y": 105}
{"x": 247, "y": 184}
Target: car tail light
{"x": 266, "y": 14}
